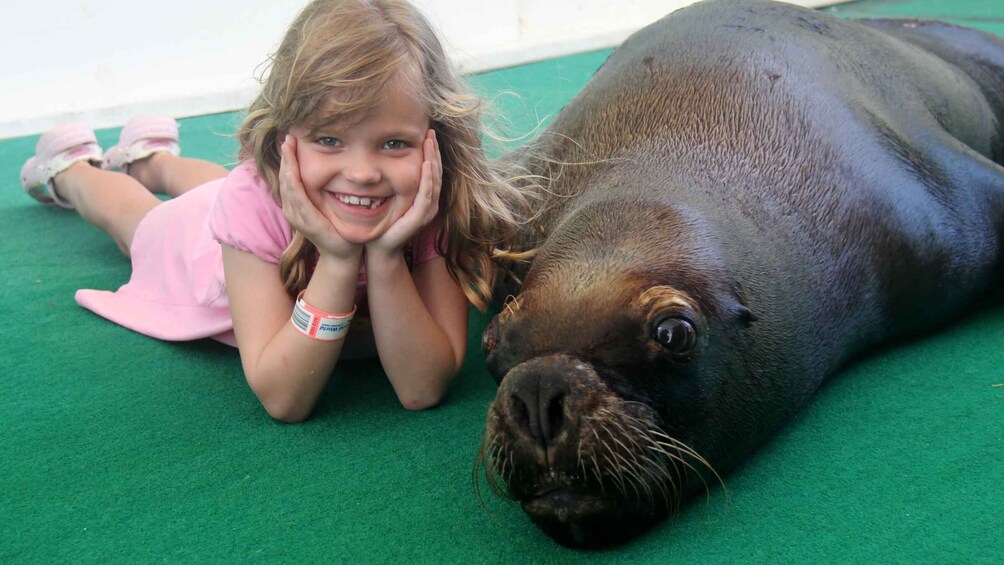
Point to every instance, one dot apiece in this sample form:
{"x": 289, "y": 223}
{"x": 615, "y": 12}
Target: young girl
{"x": 364, "y": 198}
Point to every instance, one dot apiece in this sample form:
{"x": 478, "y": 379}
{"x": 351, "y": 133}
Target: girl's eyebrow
{"x": 404, "y": 128}
{"x": 324, "y": 131}
{"x": 405, "y": 132}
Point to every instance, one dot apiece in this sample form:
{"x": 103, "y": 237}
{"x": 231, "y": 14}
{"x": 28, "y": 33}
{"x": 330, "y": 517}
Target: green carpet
{"x": 117, "y": 448}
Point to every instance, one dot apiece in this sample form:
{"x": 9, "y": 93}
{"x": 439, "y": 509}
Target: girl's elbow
{"x": 420, "y": 402}
{"x": 424, "y": 399}
{"x": 283, "y": 408}
{"x": 428, "y": 396}
{"x": 286, "y": 414}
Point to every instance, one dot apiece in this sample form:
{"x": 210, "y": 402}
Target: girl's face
{"x": 364, "y": 175}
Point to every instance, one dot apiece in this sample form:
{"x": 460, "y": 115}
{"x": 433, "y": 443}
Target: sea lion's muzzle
{"x": 565, "y": 445}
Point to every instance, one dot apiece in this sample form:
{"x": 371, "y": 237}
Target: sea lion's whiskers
{"x": 617, "y": 473}
{"x": 508, "y": 466}
{"x": 486, "y": 464}
{"x": 631, "y": 465}
{"x": 683, "y": 450}
{"x": 598, "y": 474}
{"x": 665, "y": 480}
{"x": 683, "y": 447}
{"x": 627, "y": 468}
{"x": 578, "y": 457}
{"x": 614, "y": 470}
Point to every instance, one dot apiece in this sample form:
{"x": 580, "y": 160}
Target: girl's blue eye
{"x": 395, "y": 144}
{"x": 329, "y": 141}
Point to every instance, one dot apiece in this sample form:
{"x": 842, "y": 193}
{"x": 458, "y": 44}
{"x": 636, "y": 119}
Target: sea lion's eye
{"x": 676, "y": 335}
{"x": 490, "y": 337}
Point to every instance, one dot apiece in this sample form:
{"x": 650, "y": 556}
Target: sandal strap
{"x": 37, "y": 175}
{"x": 140, "y": 138}
{"x": 119, "y": 157}
{"x": 55, "y": 151}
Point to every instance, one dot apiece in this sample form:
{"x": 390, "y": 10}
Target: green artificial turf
{"x": 117, "y": 448}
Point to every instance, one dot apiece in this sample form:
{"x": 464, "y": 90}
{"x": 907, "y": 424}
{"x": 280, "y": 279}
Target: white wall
{"x": 103, "y": 61}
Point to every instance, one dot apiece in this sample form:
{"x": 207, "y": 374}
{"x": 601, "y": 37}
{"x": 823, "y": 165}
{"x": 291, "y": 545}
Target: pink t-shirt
{"x": 177, "y": 291}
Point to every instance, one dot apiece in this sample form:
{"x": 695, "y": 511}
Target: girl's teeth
{"x": 371, "y": 203}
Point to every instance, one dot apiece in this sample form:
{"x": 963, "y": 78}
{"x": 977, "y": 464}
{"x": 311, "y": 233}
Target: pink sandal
{"x": 140, "y": 138}
{"x": 55, "y": 151}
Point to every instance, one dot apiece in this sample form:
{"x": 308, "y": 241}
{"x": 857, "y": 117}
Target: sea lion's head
{"x": 615, "y": 364}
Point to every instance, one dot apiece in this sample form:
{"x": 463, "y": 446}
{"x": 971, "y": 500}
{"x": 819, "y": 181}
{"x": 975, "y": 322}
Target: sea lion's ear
{"x": 746, "y": 316}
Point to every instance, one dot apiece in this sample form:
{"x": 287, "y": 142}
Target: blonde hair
{"x": 335, "y": 60}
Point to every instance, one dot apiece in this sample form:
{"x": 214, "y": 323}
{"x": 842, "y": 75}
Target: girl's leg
{"x": 165, "y": 173}
{"x": 114, "y": 202}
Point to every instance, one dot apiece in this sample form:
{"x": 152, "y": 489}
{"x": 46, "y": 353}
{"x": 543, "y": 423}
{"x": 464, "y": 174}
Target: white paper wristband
{"x": 318, "y": 324}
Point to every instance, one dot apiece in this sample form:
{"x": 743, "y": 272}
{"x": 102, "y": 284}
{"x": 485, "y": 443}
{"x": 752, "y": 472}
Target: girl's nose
{"x": 361, "y": 170}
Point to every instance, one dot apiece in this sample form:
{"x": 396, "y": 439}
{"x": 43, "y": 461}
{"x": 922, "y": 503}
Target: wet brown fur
{"x": 798, "y": 187}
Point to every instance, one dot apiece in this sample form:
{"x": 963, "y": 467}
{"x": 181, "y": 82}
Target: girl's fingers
{"x": 429, "y": 196}
{"x": 439, "y": 156}
{"x": 287, "y": 169}
{"x": 291, "y": 203}
{"x": 431, "y": 153}
{"x": 427, "y": 146}
{"x": 418, "y": 212}
{"x": 436, "y": 173}
{"x": 425, "y": 190}
{"x": 296, "y": 205}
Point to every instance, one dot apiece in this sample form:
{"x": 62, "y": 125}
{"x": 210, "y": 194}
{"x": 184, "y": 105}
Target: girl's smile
{"x": 364, "y": 206}
{"x": 371, "y": 203}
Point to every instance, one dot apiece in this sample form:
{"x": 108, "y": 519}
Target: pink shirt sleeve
{"x": 246, "y": 217}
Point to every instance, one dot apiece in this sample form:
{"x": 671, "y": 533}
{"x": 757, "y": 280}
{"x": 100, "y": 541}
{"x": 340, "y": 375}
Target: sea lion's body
{"x": 768, "y": 191}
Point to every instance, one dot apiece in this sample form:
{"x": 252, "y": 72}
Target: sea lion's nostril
{"x": 536, "y": 406}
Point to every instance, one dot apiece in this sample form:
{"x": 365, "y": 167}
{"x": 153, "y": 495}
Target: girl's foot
{"x": 55, "y": 151}
{"x": 140, "y": 138}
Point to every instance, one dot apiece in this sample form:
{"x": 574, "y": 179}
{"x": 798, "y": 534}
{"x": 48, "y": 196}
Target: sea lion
{"x": 746, "y": 195}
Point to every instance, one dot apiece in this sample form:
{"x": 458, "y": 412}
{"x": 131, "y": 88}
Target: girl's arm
{"x": 419, "y": 324}
{"x": 420, "y": 318}
{"x": 286, "y": 369}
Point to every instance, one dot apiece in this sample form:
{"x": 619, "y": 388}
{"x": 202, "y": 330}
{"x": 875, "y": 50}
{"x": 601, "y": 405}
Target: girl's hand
{"x": 302, "y": 214}
{"x": 423, "y": 209}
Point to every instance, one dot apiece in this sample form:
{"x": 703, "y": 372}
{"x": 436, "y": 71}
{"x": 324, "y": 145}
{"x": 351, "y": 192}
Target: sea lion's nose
{"x": 536, "y": 404}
